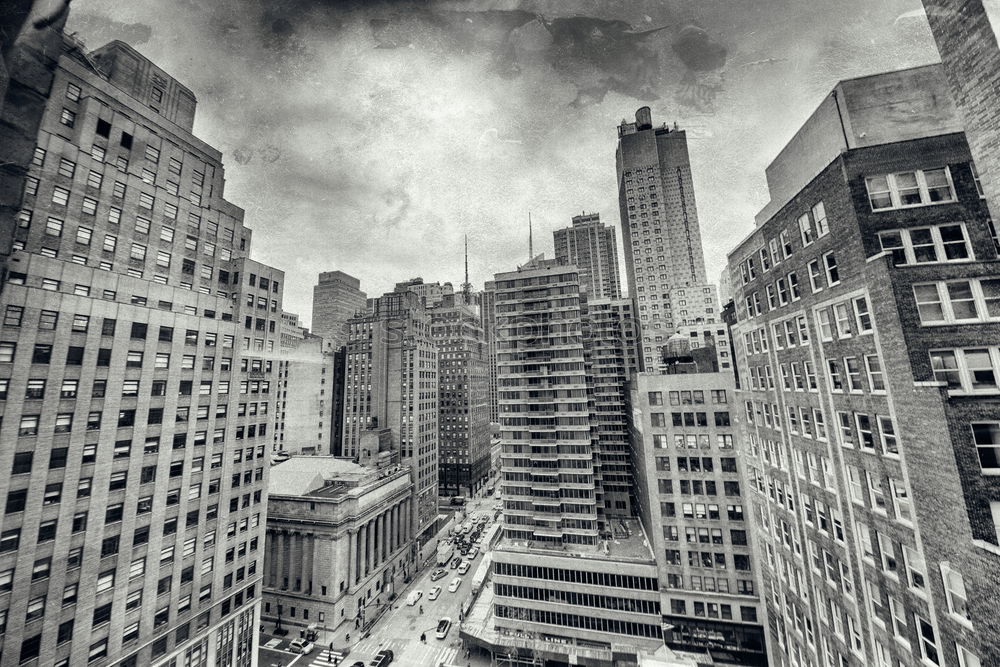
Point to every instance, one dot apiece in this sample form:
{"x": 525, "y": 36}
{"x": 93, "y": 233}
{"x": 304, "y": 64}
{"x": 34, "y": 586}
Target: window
{"x": 910, "y": 188}
{"x": 927, "y": 639}
{"x": 832, "y": 270}
{"x": 986, "y": 436}
{"x": 921, "y": 245}
{"x": 67, "y": 117}
{"x": 805, "y": 230}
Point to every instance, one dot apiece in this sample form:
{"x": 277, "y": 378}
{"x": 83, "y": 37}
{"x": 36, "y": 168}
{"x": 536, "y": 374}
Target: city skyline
{"x": 487, "y": 129}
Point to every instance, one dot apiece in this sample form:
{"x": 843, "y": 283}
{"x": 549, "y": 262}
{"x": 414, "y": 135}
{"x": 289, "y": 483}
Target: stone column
{"x": 362, "y": 551}
{"x": 308, "y": 544}
{"x": 370, "y": 550}
{"x": 283, "y": 560}
{"x": 393, "y": 527}
{"x": 352, "y": 557}
{"x": 279, "y": 560}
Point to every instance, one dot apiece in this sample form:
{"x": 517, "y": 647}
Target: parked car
{"x": 438, "y": 573}
{"x": 464, "y": 567}
{"x": 302, "y": 646}
{"x": 455, "y": 583}
{"x": 444, "y": 625}
{"x": 434, "y": 593}
{"x": 414, "y": 597}
{"x": 382, "y": 658}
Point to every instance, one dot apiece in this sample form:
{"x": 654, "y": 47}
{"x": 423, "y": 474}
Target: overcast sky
{"x": 371, "y": 136}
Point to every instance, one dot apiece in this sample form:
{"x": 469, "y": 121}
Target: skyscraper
{"x": 664, "y": 262}
{"x": 591, "y": 247}
{"x": 559, "y": 558}
{"x": 391, "y": 382}
{"x": 136, "y": 335}
{"x": 866, "y": 298}
{"x": 463, "y": 396}
{"x": 487, "y": 313}
{"x": 337, "y": 297}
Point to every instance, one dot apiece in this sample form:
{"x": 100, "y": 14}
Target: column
{"x": 363, "y": 552}
{"x": 393, "y": 529}
{"x": 283, "y": 560}
{"x": 384, "y": 534}
{"x": 316, "y": 556}
{"x": 269, "y": 556}
{"x": 370, "y": 547}
{"x": 308, "y": 544}
{"x": 279, "y": 539}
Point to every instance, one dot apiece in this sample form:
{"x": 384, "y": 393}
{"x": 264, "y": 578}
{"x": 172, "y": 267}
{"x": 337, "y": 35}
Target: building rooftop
{"x": 323, "y": 476}
{"x": 628, "y": 543}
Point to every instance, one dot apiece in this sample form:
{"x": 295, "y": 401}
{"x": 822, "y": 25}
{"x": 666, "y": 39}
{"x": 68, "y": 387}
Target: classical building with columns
{"x": 339, "y": 541}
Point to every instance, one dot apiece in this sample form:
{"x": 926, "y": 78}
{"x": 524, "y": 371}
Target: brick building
{"x": 391, "y": 382}
{"x": 463, "y": 397}
{"x": 866, "y": 316}
{"x": 135, "y": 378}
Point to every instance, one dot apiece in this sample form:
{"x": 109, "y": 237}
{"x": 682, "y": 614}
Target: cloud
{"x": 372, "y": 136}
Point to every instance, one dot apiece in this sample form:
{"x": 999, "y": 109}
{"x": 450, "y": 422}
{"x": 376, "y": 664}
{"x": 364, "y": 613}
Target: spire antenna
{"x": 466, "y": 259}
{"x": 531, "y": 247}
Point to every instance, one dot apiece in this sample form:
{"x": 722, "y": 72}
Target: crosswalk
{"x": 407, "y": 654}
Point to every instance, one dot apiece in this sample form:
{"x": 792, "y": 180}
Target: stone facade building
{"x": 135, "y": 379}
{"x": 867, "y": 322}
{"x": 339, "y": 541}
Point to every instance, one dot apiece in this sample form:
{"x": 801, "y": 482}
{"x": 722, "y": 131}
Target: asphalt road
{"x": 400, "y": 628}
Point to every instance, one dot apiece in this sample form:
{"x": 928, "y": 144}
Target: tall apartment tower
{"x": 591, "y": 246}
{"x": 866, "y": 345}
{"x": 337, "y": 297}
{"x": 463, "y": 397}
{"x": 391, "y": 382}
{"x": 612, "y": 361}
{"x": 136, "y": 335}
{"x": 689, "y": 493}
{"x": 664, "y": 262}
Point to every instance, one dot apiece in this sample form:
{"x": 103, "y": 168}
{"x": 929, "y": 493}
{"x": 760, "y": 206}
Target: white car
{"x": 473, "y": 552}
{"x": 434, "y": 593}
{"x": 464, "y": 567}
{"x": 455, "y": 583}
{"x": 444, "y": 625}
{"x": 414, "y": 597}
{"x": 301, "y": 646}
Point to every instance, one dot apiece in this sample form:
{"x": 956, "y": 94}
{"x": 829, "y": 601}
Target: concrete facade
{"x": 870, "y": 416}
{"x": 303, "y": 421}
{"x": 690, "y": 489}
{"x": 592, "y": 247}
{"x": 132, "y": 532}
{"x": 664, "y": 262}
{"x": 337, "y": 297}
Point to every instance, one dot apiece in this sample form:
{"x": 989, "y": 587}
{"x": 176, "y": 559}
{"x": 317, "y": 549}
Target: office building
{"x": 463, "y": 397}
{"x": 664, "y": 263}
{"x": 690, "y": 500}
{"x": 567, "y": 583}
{"x": 339, "y": 541}
{"x": 487, "y": 313}
{"x": 136, "y": 334}
{"x": 431, "y": 294}
{"x": 391, "y": 382}
{"x": 291, "y": 331}
{"x": 337, "y": 297}
{"x": 866, "y": 321}
{"x": 591, "y": 247}
{"x": 612, "y": 332}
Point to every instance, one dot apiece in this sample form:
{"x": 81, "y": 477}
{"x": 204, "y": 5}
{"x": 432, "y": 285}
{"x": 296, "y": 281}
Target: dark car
{"x": 456, "y": 562}
{"x": 358, "y": 664}
{"x": 382, "y": 658}
{"x": 437, "y": 574}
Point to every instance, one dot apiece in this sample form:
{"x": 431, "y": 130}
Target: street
{"x": 400, "y": 628}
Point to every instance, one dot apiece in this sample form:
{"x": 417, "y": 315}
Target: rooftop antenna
{"x": 467, "y": 286}
{"x": 531, "y": 248}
